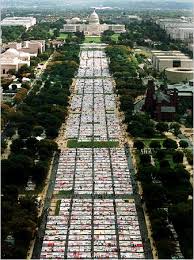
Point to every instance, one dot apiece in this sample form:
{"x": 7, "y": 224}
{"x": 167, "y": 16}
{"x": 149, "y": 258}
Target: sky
{"x": 89, "y": 3}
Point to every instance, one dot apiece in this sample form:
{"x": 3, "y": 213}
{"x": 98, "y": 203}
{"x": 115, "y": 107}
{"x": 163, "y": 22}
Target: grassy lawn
{"x": 95, "y": 39}
{"x": 115, "y": 37}
{"x": 51, "y": 32}
{"x": 62, "y": 36}
{"x": 168, "y": 156}
{"x": 95, "y": 144}
{"x": 57, "y": 207}
{"x": 65, "y": 192}
{"x": 148, "y": 141}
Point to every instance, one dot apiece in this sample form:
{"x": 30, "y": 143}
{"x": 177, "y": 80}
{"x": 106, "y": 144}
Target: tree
{"x": 3, "y": 146}
{"x": 10, "y": 132}
{"x": 149, "y": 131}
{"x": 38, "y": 130}
{"x": 24, "y": 130}
{"x": 52, "y": 132}
{"x": 20, "y": 95}
{"x": 145, "y": 159}
{"x": 182, "y": 175}
{"x": 46, "y": 147}
{"x": 160, "y": 154}
{"x": 178, "y": 157}
{"x": 160, "y": 229}
{"x": 166, "y": 248}
{"x": 183, "y": 144}
{"x": 162, "y": 127}
{"x": 26, "y": 85}
{"x": 175, "y": 127}
{"x": 17, "y": 145}
{"x": 16, "y": 169}
{"x": 155, "y": 144}
{"x": 189, "y": 155}
{"x": 40, "y": 172}
{"x": 147, "y": 173}
{"x": 10, "y": 192}
{"x": 164, "y": 164}
{"x": 138, "y": 144}
{"x": 154, "y": 195}
{"x": 31, "y": 143}
{"x": 181, "y": 215}
{"x": 170, "y": 144}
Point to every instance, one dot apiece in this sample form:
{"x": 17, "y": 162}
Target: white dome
{"x": 94, "y": 19}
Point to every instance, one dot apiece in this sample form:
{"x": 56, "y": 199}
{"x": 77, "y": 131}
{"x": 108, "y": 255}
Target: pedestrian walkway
{"x": 97, "y": 215}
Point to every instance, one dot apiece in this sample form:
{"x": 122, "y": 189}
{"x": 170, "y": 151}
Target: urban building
{"x": 176, "y": 75}
{"x": 184, "y": 90}
{"x": 127, "y": 19}
{"x": 33, "y": 47}
{"x": 13, "y": 60}
{"x": 160, "y": 104}
{"x": 178, "y": 29}
{"x": 93, "y": 27}
{"x": 162, "y": 60}
{"x": 191, "y": 46}
{"x": 15, "y": 21}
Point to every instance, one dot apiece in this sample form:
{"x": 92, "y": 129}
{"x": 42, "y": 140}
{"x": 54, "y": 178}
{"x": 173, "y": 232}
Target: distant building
{"x": 160, "y": 104}
{"x": 127, "y": 19}
{"x": 184, "y": 90}
{"x": 191, "y": 46}
{"x": 176, "y": 75}
{"x": 93, "y": 27}
{"x": 15, "y": 21}
{"x": 13, "y": 60}
{"x": 162, "y": 60}
{"x": 178, "y": 29}
{"x": 33, "y": 47}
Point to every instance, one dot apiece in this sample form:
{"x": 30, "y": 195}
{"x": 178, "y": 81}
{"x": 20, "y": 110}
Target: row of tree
{"x": 12, "y": 33}
{"x": 166, "y": 189}
{"x": 147, "y": 33}
{"x": 40, "y": 114}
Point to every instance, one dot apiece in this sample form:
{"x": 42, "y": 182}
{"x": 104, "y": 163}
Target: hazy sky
{"x": 89, "y": 3}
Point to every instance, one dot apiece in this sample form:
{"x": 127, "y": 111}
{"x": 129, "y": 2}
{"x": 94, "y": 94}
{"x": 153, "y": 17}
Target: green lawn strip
{"x": 148, "y": 141}
{"x": 168, "y": 156}
{"x": 65, "y": 192}
{"x": 115, "y": 37}
{"x": 62, "y": 36}
{"x": 57, "y": 207}
{"x": 51, "y": 32}
{"x": 189, "y": 155}
{"x": 94, "y": 144}
{"x": 89, "y": 39}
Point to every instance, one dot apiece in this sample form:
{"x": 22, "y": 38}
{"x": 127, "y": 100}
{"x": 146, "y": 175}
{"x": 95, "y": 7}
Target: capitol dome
{"x": 94, "y": 19}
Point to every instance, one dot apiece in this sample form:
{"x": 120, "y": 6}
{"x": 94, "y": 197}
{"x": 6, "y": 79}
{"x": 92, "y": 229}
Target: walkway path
{"x": 97, "y": 216}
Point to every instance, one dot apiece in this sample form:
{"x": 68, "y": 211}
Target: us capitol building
{"x": 93, "y": 27}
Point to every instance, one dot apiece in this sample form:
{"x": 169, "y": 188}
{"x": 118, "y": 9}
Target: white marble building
{"x": 13, "y": 60}
{"x": 15, "y": 21}
{"x": 178, "y": 29}
{"x": 93, "y": 27}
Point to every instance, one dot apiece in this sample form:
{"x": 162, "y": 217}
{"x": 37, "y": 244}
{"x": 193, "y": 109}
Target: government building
{"x": 16, "y": 21}
{"x": 93, "y": 27}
